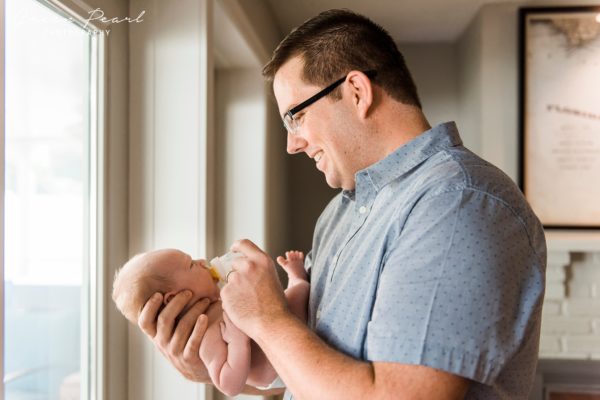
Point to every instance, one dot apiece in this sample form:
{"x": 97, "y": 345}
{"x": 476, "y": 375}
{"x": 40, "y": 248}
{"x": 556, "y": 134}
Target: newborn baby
{"x": 225, "y": 350}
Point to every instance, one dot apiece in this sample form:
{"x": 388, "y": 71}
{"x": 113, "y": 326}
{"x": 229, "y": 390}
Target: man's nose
{"x": 295, "y": 143}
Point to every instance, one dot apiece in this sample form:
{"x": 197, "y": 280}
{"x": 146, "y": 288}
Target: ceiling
{"x": 406, "y": 20}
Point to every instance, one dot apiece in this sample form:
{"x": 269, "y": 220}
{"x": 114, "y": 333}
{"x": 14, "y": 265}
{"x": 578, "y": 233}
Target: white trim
{"x": 93, "y": 334}
{"x": 2, "y": 94}
{"x": 573, "y": 240}
{"x": 207, "y": 122}
{"x": 98, "y": 162}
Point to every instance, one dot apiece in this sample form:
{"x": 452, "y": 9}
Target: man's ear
{"x": 361, "y": 91}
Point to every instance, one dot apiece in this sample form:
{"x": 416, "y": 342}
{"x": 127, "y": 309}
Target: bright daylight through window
{"x": 47, "y": 203}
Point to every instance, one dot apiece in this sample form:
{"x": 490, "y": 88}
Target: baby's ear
{"x": 168, "y": 297}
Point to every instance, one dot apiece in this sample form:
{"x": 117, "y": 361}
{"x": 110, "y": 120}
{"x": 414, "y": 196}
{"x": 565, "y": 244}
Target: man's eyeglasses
{"x": 292, "y": 124}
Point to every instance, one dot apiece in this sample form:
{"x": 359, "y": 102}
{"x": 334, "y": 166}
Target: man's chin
{"x": 337, "y": 184}
{"x": 334, "y": 184}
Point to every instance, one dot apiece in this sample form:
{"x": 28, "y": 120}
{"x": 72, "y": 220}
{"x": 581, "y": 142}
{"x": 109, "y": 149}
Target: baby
{"x": 225, "y": 350}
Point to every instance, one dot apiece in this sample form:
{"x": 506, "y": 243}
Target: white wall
{"x": 2, "y": 194}
{"x": 488, "y": 86}
{"x": 571, "y": 313}
{"x": 469, "y": 53}
{"x": 240, "y": 148}
{"x": 499, "y": 87}
{"x": 434, "y": 68}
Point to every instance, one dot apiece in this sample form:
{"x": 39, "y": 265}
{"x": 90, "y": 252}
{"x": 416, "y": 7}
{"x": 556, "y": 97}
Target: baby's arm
{"x": 225, "y": 350}
{"x": 298, "y": 288}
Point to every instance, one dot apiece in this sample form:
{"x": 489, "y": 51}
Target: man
{"x": 427, "y": 270}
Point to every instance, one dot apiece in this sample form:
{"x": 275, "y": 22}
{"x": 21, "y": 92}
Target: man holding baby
{"x": 427, "y": 270}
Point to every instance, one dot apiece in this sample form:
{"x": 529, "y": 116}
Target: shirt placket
{"x": 365, "y": 195}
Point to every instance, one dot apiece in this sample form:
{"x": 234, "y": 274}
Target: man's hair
{"x": 134, "y": 285}
{"x": 336, "y": 42}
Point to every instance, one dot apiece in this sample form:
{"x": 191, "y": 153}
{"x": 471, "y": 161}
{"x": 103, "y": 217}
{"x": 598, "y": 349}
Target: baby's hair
{"x": 134, "y": 284}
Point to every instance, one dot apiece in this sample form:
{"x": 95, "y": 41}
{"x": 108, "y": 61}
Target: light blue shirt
{"x": 434, "y": 259}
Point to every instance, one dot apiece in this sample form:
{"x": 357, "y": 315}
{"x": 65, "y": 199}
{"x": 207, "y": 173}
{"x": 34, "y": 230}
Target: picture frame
{"x": 559, "y": 114}
{"x": 572, "y": 392}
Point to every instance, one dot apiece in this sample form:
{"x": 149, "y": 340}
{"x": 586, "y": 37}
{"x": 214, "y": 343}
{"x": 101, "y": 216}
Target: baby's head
{"x": 168, "y": 271}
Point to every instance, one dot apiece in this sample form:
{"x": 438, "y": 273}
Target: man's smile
{"x": 318, "y": 156}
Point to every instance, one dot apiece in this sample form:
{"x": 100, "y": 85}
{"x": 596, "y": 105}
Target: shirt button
{"x": 362, "y": 209}
{"x": 318, "y": 314}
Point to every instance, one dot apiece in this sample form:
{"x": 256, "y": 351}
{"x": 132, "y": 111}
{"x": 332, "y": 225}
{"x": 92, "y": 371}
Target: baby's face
{"x": 186, "y": 273}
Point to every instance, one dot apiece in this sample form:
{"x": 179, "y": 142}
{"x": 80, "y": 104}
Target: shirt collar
{"x": 406, "y": 157}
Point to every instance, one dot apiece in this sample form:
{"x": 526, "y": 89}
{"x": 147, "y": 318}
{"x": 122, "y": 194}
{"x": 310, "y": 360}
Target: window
{"x": 50, "y": 180}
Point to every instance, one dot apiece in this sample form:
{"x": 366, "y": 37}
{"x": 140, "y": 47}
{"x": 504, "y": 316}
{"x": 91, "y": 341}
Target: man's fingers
{"x": 245, "y": 246}
{"x": 254, "y": 257}
{"x": 192, "y": 349}
{"x": 147, "y": 318}
{"x": 167, "y": 317}
{"x": 185, "y": 326}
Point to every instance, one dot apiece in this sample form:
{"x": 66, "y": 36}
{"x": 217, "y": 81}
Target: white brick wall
{"x": 571, "y": 313}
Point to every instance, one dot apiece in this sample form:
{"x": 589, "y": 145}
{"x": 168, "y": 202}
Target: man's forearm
{"x": 313, "y": 370}
{"x": 309, "y": 367}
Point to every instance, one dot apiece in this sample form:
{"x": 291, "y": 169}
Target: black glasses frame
{"x": 295, "y": 110}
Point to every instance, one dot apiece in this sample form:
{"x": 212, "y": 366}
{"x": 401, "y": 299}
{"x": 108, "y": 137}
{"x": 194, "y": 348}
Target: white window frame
{"x": 92, "y": 334}
{"x": 2, "y": 198}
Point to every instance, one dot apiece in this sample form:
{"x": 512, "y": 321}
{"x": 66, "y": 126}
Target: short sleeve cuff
{"x": 276, "y": 384}
{"x": 450, "y": 359}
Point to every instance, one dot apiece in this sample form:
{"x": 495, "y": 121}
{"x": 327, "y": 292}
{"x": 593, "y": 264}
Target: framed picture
{"x": 560, "y": 114}
{"x": 572, "y": 392}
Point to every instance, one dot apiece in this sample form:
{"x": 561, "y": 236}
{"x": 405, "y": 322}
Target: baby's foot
{"x": 293, "y": 264}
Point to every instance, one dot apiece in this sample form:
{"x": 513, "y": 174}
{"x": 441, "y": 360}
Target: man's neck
{"x": 397, "y": 124}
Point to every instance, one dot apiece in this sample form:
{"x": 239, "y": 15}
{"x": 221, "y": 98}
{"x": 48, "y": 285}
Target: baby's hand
{"x": 293, "y": 264}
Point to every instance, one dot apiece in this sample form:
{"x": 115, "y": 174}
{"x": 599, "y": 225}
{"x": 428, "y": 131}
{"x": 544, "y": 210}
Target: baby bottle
{"x": 221, "y": 266}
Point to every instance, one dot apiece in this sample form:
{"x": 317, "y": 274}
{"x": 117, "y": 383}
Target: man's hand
{"x": 253, "y": 292}
{"x": 178, "y": 339}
